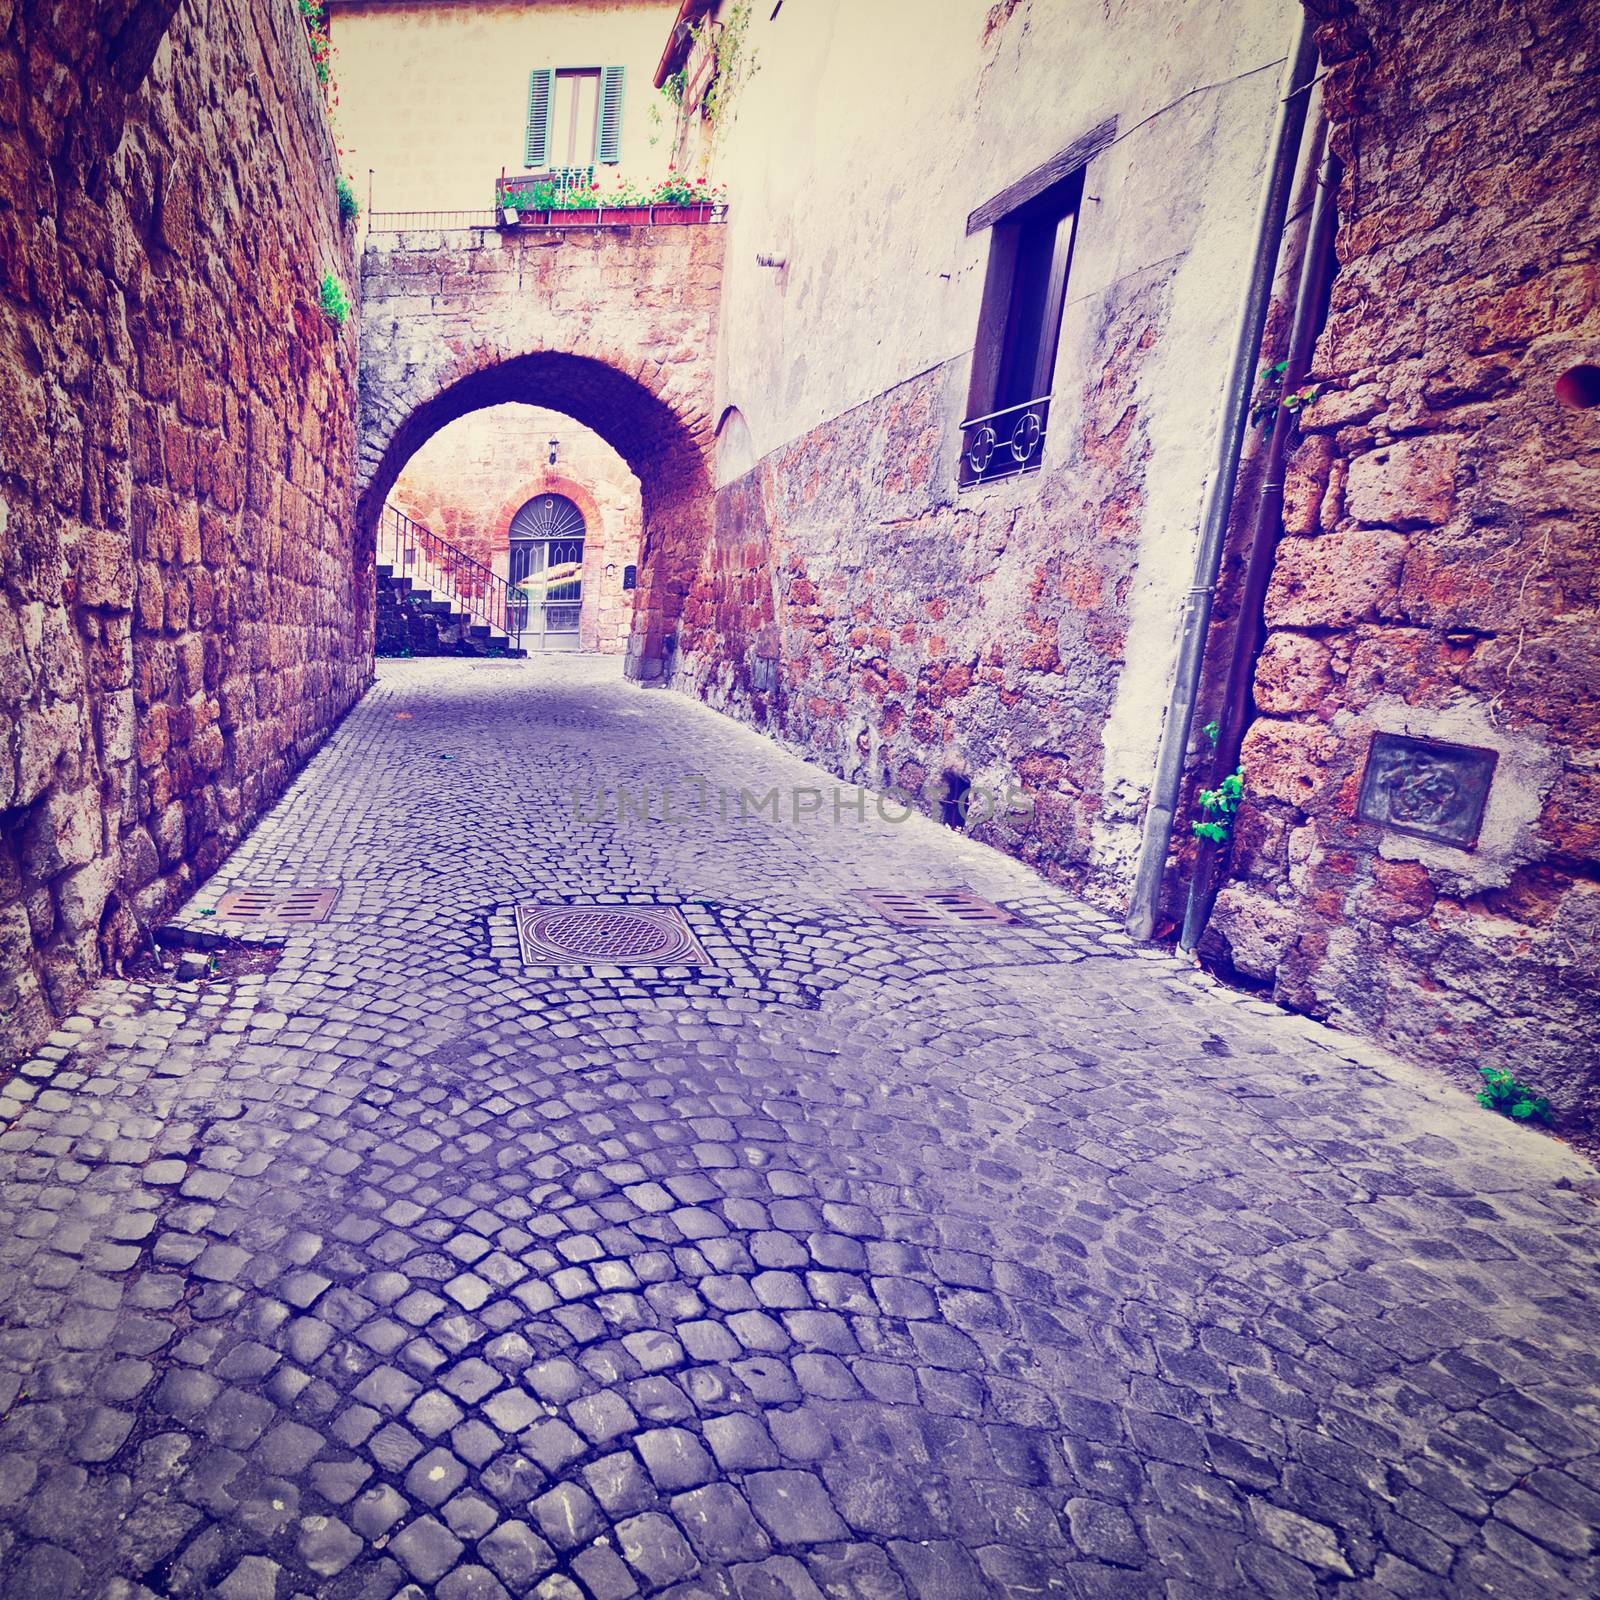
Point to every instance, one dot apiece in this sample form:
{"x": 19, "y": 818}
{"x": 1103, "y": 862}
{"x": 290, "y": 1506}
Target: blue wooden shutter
{"x": 608, "y": 137}
{"x": 541, "y": 84}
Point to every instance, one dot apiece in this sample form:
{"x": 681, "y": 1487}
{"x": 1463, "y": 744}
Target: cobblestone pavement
{"x": 867, "y": 1263}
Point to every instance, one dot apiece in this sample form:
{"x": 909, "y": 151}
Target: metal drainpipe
{"x": 1288, "y": 127}
{"x": 1315, "y": 269}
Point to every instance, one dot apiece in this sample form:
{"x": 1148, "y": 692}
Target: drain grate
{"x": 938, "y": 908}
{"x": 609, "y": 936}
{"x": 277, "y": 905}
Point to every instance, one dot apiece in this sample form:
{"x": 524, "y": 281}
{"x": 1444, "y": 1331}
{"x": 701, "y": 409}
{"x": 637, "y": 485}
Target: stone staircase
{"x": 436, "y": 600}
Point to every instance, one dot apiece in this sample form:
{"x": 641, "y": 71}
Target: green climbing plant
{"x": 1220, "y": 805}
{"x": 733, "y": 64}
{"x": 349, "y": 206}
{"x": 736, "y": 63}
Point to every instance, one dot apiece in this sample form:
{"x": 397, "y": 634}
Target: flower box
{"x": 573, "y": 217}
{"x": 681, "y": 213}
{"x": 627, "y": 216}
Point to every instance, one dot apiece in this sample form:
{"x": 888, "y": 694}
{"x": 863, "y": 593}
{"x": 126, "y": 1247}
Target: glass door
{"x": 546, "y": 572}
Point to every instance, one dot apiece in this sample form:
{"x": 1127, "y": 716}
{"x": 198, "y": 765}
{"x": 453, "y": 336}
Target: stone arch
{"x": 664, "y": 443}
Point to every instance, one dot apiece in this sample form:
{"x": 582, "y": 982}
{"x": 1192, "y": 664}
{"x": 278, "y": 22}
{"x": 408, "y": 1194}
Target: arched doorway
{"x": 546, "y": 572}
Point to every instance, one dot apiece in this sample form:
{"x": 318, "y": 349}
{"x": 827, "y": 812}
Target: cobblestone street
{"x": 865, "y": 1262}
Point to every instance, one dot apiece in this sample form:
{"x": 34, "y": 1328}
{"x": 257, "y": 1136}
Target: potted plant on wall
{"x": 575, "y": 205}
{"x": 680, "y": 200}
{"x": 628, "y": 205}
{"x": 530, "y": 204}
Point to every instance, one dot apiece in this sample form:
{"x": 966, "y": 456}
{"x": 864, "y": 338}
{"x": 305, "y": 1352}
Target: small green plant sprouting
{"x": 1501, "y": 1092}
{"x": 1220, "y": 805}
{"x": 1212, "y": 731}
{"x": 333, "y": 300}
{"x": 349, "y": 206}
{"x": 1269, "y": 396}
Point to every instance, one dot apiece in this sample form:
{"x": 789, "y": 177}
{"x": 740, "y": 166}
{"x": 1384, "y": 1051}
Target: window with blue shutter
{"x": 608, "y": 136}
{"x": 541, "y": 82}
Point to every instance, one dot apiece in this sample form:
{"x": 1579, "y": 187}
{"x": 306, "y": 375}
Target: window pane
{"x": 1033, "y": 325}
{"x": 587, "y": 116}
{"x": 572, "y": 120}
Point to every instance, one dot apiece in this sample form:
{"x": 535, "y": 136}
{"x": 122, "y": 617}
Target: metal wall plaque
{"x": 1422, "y": 786}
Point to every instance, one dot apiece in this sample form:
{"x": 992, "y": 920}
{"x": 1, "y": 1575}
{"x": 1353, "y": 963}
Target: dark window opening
{"x": 1019, "y": 330}
{"x": 630, "y": 578}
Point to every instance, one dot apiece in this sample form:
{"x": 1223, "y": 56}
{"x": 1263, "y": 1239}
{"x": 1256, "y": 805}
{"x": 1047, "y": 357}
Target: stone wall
{"x": 1437, "y": 577}
{"x": 471, "y": 478}
{"x": 183, "y": 615}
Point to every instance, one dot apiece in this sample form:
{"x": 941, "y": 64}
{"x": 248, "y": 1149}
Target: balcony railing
{"x": 1000, "y": 444}
{"x": 412, "y": 551}
{"x": 428, "y": 221}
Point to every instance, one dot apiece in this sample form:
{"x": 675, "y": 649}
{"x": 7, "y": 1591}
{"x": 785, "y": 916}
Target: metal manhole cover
{"x": 938, "y": 908}
{"x": 277, "y": 905}
{"x": 610, "y": 936}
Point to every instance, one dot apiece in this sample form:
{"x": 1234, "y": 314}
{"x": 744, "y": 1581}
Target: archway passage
{"x": 614, "y": 330}
{"x": 476, "y": 489}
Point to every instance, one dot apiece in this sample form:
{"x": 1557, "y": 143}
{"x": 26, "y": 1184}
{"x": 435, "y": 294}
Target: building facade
{"x": 184, "y": 613}
{"x": 437, "y": 100}
{"x": 1008, "y": 233}
{"x": 438, "y": 97}
{"x": 1065, "y": 208}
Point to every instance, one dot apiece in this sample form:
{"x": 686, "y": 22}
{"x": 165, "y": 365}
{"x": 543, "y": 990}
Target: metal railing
{"x": 427, "y": 221}
{"x": 560, "y": 179}
{"x": 412, "y": 551}
{"x": 1002, "y": 443}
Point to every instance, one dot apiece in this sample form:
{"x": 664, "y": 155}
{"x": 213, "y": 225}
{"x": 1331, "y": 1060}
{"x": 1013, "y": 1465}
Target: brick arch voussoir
{"x": 548, "y": 483}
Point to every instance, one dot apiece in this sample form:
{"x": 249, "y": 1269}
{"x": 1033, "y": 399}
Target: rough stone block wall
{"x": 471, "y": 478}
{"x": 855, "y": 605}
{"x": 183, "y": 614}
{"x": 1437, "y": 575}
